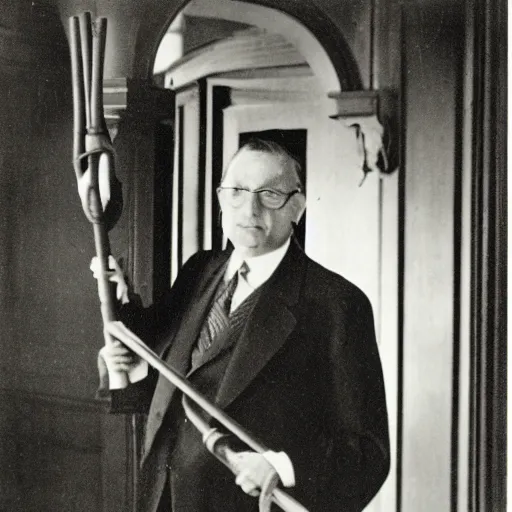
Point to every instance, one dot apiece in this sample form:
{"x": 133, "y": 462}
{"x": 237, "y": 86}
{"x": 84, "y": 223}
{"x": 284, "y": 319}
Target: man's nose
{"x": 251, "y": 206}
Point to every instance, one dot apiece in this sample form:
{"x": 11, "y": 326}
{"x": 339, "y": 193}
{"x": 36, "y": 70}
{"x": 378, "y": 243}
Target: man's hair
{"x": 272, "y": 148}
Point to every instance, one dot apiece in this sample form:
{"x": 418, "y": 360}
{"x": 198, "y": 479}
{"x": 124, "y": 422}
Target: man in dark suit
{"x": 290, "y": 354}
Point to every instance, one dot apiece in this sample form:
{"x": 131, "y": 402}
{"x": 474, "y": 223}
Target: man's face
{"x": 252, "y": 228}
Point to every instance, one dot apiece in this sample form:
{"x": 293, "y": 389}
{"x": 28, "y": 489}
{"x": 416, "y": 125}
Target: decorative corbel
{"x": 372, "y": 114}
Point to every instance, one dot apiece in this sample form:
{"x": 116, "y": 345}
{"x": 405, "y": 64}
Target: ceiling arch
{"x": 301, "y": 23}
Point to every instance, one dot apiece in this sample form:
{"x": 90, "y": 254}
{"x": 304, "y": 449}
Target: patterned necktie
{"x": 218, "y": 317}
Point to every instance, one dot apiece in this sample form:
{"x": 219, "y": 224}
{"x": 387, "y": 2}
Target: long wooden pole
{"x": 91, "y": 143}
{"x": 119, "y": 331}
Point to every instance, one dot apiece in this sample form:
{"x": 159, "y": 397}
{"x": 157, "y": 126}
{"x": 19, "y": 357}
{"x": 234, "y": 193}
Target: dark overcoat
{"x": 304, "y": 377}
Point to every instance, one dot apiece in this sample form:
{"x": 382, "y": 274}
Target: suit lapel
{"x": 268, "y": 327}
{"x": 180, "y": 345}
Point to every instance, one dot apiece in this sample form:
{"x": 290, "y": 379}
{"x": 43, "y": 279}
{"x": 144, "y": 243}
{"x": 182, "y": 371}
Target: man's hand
{"x": 117, "y": 358}
{"x": 254, "y": 471}
{"x": 115, "y": 274}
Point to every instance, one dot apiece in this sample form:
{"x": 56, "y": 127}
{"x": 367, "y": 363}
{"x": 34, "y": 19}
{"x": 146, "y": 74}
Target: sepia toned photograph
{"x": 253, "y": 256}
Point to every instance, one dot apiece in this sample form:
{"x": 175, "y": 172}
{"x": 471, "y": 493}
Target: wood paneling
{"x": 31, "y": 36}
{"x": 53, "y": 447}
{"x": 136, "y": 237}
{"x": 488, "y": 337}
{"x": 431, "y": 87}
{"x": 8, "y": 454}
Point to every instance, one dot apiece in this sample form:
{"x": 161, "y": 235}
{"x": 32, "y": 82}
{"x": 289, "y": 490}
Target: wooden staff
{"x": 93, "y": 154}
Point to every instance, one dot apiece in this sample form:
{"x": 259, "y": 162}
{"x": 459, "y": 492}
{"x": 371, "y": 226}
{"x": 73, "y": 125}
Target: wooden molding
{"x": 115, "y": 98}
{"x": 52, "y": 442}
{"x": 247, "y": 49}
{"x": 54, "y": 420}
{"x": 84, "y": 405}
{"x": 354, "y": 103}
{"x": 488, "y": 337}
{"x": 136, "y": 98}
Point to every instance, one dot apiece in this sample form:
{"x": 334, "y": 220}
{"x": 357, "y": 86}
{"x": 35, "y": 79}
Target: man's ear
{"x": 300, "y": 206}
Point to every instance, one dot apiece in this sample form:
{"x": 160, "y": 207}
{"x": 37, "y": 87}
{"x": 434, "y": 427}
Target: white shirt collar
{"x": 260, "y": 267}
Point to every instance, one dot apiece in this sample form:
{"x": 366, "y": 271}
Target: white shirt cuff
{"x": 283, "y": 466}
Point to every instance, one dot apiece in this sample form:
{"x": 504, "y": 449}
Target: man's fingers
{"x": 120, "y": 367}
{"x": 123, "y": 359}
{"x": 118, "y": 350}
{"x": 123, "y": 367}
{"x": 114, "y": 271}
{"x": 111, "y": 351}
{"x": 112, "y": 263}
{"x": 114, "y": 274}
{"x": 248, "y": 486}
{"x": 118, "y": 357}
{"x": 254, "y": 471}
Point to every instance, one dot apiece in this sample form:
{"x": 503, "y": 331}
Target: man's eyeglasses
{"x": 268, "y": 198}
